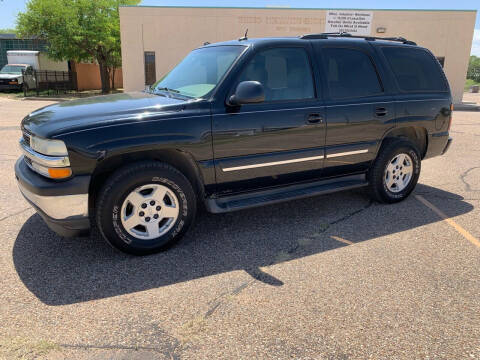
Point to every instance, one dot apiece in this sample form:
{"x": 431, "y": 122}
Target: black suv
{"x": 235, "y": 125}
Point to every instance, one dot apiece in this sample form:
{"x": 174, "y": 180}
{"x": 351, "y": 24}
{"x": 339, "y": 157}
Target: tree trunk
{"x": 104, "y": 77}
{"x": 113, "y": 69}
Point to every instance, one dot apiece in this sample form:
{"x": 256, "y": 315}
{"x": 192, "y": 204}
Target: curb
{"x": 45, "y": 98}
{"x": 466, "y": 107}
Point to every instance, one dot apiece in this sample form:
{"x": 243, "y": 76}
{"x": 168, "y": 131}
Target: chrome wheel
{"x": 149, "y": 211}
{"x": 398, "y": 173}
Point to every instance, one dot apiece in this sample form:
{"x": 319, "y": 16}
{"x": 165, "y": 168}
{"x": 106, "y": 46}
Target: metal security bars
{"x": 55, "y": 82}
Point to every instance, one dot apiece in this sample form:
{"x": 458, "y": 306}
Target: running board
{"x": 276, "y": 195}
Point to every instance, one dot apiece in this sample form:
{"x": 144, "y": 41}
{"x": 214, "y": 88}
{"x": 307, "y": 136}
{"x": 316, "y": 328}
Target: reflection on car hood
{"x": 98, "y": 111}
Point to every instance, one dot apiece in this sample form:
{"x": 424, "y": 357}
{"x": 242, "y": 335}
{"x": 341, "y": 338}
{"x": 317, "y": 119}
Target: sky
{"x": 10, "y": 8}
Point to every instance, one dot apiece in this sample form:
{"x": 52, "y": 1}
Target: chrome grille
{"x": 26, "y": 138}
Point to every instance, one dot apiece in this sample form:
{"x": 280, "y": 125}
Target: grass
{"x": 192, "y": 328}
{"x": 11, "y": 94}
{"x": 469, "y": 83}
{"x": 23, "y": 348}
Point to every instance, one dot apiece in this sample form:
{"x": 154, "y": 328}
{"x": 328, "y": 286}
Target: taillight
{"x": 451, "y": 116}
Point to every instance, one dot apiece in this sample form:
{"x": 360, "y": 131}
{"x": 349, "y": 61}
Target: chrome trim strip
{"x": 58, "y": 207}
{"x": 346, "y": 153}
{"x": 329, "y": 106}
{"x": 272, "y": 110}
{"x": 273, "y": 163}
{"x": 44, "y": 160}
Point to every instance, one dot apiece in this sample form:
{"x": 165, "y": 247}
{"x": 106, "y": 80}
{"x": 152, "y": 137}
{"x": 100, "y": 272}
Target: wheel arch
{"x": 181, "y": 160}
{"x": 416, "y": 134}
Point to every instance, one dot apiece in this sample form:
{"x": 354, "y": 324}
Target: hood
{"x": 10, "y": 76}
{"x": 98, "y": 111}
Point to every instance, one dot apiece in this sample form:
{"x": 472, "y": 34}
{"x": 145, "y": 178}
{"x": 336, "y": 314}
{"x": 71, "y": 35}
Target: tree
{"x": 474, "y": 68}
{"x": 7, "y": 31}
{"x": 80, "y": 30}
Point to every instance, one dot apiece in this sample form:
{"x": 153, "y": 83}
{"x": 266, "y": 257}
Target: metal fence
{"x": 48, "y": 82}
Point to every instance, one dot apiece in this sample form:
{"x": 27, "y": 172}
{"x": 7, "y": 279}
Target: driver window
{"x": 285, "y": 74}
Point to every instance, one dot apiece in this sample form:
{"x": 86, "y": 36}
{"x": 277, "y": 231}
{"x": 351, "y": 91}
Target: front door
{"x": 280, "y": 140}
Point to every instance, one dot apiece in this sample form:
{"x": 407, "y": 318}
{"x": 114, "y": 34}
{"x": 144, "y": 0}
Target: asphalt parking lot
{"x": 331, "y": 277}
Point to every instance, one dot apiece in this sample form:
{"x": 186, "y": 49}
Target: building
{"x": 154, "y": 39}
{"x": 87, "y": 74}
{"x": 11, "y": 42}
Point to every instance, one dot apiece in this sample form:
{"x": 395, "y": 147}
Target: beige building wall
{"x": 172, "y": 32}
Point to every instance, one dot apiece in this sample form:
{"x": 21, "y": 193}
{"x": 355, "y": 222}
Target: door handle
{"x": 381, "y": 111}
{"x": 314, "y": 119}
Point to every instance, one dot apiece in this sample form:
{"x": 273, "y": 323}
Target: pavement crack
{"x": 349, "y": 215}
{"x": 16, "y": 213}
{"x": 468, "y": 187}
{"x": 226, "y": 296}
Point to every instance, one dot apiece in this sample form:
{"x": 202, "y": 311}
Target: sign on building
{"x": 353, "y": 22}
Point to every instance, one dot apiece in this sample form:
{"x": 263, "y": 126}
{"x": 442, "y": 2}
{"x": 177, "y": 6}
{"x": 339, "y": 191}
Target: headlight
{"x": 46, "y": 157}
{"x": 48, "y": 147}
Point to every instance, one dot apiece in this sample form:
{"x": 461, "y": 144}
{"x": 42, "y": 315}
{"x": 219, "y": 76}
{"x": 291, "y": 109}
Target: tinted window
{"x": 285, "y": 74}
{"x": 415, "y": 69}
{"x": 350, "y": 73}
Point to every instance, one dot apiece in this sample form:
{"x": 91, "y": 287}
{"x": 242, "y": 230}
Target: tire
{"x": 127, "y": 198}
{"x": 387, "y": 181}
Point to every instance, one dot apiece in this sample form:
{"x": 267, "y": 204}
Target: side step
{"x": 276, "y": 195}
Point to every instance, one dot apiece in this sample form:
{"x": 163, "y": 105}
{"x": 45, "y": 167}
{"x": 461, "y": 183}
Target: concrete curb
{"x": 46, "y": 99}
{"x": 466, "y": 107}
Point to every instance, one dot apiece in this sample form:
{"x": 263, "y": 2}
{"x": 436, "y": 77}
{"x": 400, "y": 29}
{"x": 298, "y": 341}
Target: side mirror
{"x": 247, "y": 92}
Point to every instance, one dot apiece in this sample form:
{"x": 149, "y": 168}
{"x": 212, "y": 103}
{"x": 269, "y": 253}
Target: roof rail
{"x": 345, "y": 34}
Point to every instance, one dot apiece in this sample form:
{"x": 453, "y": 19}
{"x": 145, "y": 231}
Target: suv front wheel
{"x": 145, "y": 207}
{"x": 395, "y": 172}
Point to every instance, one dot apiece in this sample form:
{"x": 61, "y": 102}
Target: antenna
{"x": 245, "y": 36}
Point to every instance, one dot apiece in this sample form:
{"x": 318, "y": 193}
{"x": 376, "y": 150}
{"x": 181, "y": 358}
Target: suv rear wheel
{"x": 145, "y": 208}
{"x": 395, "y": 172}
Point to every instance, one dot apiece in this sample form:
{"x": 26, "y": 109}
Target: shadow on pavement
{"x": 65, "y": 271}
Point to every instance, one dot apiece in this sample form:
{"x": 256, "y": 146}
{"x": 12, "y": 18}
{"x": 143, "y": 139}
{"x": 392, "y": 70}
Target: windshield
{"x": 199, "y": 72}
{"x": 12, "y": 69}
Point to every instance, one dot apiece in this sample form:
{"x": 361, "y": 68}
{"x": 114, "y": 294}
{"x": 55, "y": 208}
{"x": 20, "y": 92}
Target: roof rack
{"x": 345, "y": 34}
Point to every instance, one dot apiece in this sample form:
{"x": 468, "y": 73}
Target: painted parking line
{"x": 449, "y": 221}
{"x": 348, "y": 242}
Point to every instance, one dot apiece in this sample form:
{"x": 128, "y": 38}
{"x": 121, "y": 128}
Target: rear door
{"x": 358, "y": 109}
{"x": 423, "y": 99}
{"x": 280, "y": 140}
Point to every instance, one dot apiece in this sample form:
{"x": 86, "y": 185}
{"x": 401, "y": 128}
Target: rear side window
{"x": 415, "y": 69}
{"x": 350, "y": 73}
{"x": 285, "y": 74}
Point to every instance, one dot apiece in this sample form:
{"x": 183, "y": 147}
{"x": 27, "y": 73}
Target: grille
{"x": 27, "y": 160}
{"x": 26, "y": 138}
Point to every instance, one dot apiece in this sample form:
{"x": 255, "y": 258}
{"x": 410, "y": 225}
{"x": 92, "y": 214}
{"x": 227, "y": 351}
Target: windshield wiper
{"x": 168, "y": 89}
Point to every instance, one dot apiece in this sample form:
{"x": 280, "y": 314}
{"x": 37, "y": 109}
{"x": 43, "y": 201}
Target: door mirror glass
{"x": 248, "y": 92}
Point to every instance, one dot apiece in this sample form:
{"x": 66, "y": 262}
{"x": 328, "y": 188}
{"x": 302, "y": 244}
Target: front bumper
{"x": 63, "y": 205}
{"x": 11, "y": 86}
